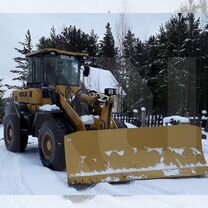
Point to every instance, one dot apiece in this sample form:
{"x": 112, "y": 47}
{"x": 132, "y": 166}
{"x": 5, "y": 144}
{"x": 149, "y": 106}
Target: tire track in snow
{"x": 10, "y": 175}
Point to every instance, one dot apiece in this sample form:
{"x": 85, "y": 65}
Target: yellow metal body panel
{"x": 62, "y": 52}
{"x": 31, "y": 95}
{"x": 127, "y": 154}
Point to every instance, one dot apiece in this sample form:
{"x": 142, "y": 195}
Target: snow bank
{"x": 105, "y": 201}
{"x": 172, "y": 120}
{"x": 49, "y": 108}
{"x": 130, "y": 126}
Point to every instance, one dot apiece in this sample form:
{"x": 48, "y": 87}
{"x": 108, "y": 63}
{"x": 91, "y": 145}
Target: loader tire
{"x": 51, "y": 145}
{"x": 15, "y": 141}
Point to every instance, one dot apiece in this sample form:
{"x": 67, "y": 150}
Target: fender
{"x": 12, "y": 108}
{"x": 42, "y": 116}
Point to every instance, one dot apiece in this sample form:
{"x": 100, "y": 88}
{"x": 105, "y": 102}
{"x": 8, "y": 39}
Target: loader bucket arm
{"x": 72, "y": 115}
{"x": 127, "y": 154}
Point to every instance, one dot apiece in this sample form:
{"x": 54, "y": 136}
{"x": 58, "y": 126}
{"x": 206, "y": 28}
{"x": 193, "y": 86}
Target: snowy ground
{"x": 24, "y": 174}
{"x": 104, "y": 201}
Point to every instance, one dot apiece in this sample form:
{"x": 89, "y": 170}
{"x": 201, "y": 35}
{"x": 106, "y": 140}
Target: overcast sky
{"x": 95, "y": 6}
{"x": 16, "y": 18}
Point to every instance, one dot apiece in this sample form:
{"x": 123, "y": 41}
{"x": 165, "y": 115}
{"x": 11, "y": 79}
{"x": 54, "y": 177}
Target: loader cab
{"x": 54, "y": 67}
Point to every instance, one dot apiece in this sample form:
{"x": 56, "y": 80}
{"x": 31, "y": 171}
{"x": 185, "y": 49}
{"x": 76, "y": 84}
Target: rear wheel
{"x": 51, "y": 145}
{"x": 15, "y": 140}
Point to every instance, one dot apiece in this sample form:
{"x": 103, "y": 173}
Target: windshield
{"x": 61, "y": 70}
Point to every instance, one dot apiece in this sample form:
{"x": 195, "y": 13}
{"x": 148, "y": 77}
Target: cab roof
{"x": 53, "y": 50}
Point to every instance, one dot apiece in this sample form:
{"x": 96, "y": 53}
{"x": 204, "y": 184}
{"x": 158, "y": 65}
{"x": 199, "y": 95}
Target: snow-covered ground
{"x": 103, "y": 201}
{"x": 24, "y": 174}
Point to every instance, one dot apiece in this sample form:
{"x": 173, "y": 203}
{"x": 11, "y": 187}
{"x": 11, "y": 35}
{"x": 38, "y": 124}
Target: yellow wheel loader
{"x": 75, "y": 129}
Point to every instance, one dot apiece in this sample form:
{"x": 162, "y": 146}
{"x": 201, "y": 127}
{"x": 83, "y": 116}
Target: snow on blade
{"x": 194, "y": 172}
{"x": 171, "y": 172}
{"x": 94, "y": 159}
{"x": 87, "y": 119}
{"x": 82, "y": 159}
{"x": 195, "y": 151}
{"x": 135, "y": 177}
{"x": 111, "y": 179}
{"x": 178, "y": 162}
{"x": 198, "y": 165}
{"x": 171, "y": 169}
{"x": 178, "y": 151}
{"x": 49, "y": 108}
{"x": 135, "y": 149}
{"x": 159, "y": 150}
{"x": 120, "y": 153}
{"x": 108, "y": 153}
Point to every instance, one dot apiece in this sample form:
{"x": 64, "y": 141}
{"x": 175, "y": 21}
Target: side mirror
{"x": 86, "y": 71}
{"x": 110, "y": 91}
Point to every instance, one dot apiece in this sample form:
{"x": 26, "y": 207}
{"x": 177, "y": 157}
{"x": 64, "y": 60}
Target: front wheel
{"x": 51, "y": 145}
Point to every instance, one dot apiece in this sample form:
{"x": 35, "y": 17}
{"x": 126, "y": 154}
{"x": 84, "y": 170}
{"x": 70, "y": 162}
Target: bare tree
{"x": 203, "y": 5}
{"x": 122, "y": 27}
{"x": 196, "y": 6}
{"x": 189, "y": 7}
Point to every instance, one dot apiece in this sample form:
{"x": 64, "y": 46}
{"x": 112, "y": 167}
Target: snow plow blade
{"x": 121, "y": 155}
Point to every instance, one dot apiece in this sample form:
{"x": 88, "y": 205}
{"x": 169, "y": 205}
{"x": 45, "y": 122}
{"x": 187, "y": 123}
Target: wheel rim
{"x": 10, "y": 134}
{"x": 47, "y": 146}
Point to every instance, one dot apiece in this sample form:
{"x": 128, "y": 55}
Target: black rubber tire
{"x": 17, "y": 141}
{"x": 120, "y": 124}
{"x": 56, "y": 157}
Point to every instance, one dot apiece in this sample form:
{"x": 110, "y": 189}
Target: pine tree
{"x": 181, "y": 40}
{"x": 202, "y": 72}
{"x": 128, "y": 69}
{"x": 138, "y": 93}
{"x": 108, "y": 43}
{"x": 176, "y": 29}
{"x": 21, "y": 70}
{"x": 43, "y": 43}
{"x": 70, "y": 39}
{"x": 51, "y": 42}
{"x": 107, "y": 51}
{"x": 129, "y": 46}
{"x": 92, "y": 47}
{"x": 106, "y": 56}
